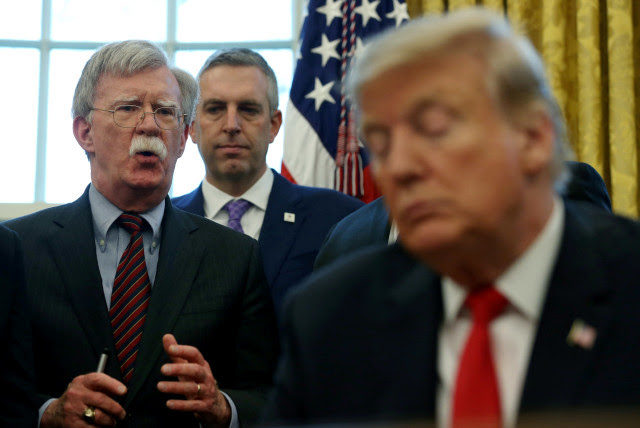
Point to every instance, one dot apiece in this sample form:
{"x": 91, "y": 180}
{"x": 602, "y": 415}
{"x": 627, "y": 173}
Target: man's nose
{"x": 406, "y": 157}
{"x": 232, "y": 123}
{"x": 147, "y": 123}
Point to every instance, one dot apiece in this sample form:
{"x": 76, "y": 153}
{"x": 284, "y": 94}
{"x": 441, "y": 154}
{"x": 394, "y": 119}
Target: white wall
{"x": 9, "y": 211}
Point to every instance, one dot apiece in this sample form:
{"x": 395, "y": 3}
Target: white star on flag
{"x": 399, "y": 13}
{"x": 331, "y": 10}
{"x": 327, "y": 49}
{"x": 321, "y": 93}
{"x": 368, "y": 11}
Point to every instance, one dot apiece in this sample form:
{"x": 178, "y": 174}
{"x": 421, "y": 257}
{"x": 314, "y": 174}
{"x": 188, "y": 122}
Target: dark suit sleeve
{"x": 17, "y": 388}
{"x": 586, "y": 184}
{"x": 256, "y": 345}
{"x": 369, "y": 225}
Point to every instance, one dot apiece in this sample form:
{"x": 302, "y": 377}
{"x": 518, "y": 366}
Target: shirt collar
{"x": 258, "y": 195}
{"x": 526, "y": 281}
{"x": 105, "y": 213}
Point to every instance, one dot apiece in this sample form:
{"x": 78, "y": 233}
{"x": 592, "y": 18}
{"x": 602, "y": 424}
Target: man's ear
{"x": 192, "y": 131}
{"x": 276, "y": 122}
{"x": 81, "y": 130}
{"x": 539, "y": 136}
{"x": 183, "y": 139}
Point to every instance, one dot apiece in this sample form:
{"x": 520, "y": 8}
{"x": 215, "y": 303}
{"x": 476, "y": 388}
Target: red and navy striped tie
{"x": 130, "y": 296}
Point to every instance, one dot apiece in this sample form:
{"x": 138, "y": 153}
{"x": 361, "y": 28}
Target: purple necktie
{"x": 236, "y": 210}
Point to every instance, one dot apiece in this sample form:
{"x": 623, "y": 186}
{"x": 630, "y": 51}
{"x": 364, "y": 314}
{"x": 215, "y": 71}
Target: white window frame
{"x": 171, "y": 45}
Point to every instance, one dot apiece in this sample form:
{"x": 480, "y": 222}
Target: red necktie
{"x": 476, "y": 401}
{"x": 130, "y": 296}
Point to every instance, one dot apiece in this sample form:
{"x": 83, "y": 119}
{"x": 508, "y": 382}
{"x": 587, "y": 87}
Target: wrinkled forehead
{"x": 152, "y": 85}
{"x": 234, "y": 82}
{"x": 435, "y": 76}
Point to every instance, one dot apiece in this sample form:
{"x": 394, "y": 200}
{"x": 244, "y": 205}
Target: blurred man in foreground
{"x": 501, "y": 298}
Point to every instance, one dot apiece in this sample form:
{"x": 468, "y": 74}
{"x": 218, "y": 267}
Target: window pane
{"x": 67, "y": 165}
{"x": 74, "y": 20}
{"x": 20, "y": 19}
{"x": 190, "y": 170}
{"x": 238, "y": 20}
{"x": 19, "y": 112}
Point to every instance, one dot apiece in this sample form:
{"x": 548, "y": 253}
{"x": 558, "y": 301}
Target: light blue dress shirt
{"x": 111, "y": 239}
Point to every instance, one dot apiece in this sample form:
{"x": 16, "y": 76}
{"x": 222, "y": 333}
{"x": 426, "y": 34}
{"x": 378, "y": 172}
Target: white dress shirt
{"x": 525, "y": 285}
{"x": 258, "y": 195}
{"x": 393, "y": 233}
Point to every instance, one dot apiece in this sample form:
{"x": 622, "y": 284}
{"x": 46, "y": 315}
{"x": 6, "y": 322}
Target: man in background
{"x": 500, "y": 298}
{"x": 179, "y": 305}
{"x": 237, "y": 117}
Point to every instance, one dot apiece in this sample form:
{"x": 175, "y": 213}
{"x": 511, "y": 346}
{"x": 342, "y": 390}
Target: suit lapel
{"x": 177, "y": 267}
{"x": 277, "y": 235}
{"x": 577, "y": 293}
{"x": 72, "y": 245}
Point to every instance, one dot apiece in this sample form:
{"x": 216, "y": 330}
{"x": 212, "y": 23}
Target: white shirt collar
{"x": 526, "y": 281}
{"x": 258, "y": 195}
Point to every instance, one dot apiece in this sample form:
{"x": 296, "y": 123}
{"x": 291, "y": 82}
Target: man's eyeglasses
{"x": 129, "y": 116}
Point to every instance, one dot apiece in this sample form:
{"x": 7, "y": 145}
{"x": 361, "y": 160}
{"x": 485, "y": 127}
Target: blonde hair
{"x": 516, "y": 75}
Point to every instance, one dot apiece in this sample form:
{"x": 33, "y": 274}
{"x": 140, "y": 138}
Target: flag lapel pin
{"x": 289, "y": 217}
{"x": 582, "y": 335}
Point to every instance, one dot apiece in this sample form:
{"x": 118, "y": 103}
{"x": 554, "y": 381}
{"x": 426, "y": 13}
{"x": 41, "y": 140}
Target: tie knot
{"x": 131, "y": 222}
{"x": 237, "y": 208}
{"x": 486, "y": 304}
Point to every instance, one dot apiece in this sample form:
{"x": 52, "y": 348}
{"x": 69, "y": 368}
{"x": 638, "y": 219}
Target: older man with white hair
{"x": 176, "y": 305}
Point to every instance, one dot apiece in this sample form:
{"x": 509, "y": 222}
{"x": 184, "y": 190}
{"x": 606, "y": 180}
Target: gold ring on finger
{"x": 89, "y": 414}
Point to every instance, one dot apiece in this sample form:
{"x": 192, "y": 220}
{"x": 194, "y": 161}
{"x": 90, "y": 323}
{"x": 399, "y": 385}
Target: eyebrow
{"x": 213, "y": 101}
{"x": 162, "y": 103}
{"x": 167, "y": 103}
{"x": 250, "y": 102}
{"x": 126, "y": 99}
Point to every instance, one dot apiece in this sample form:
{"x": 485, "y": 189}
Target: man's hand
{"x": 195, "y": 382}
{"x": 90, "y": 390}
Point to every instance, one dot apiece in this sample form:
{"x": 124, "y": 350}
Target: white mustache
{"x": 145, "y": 143}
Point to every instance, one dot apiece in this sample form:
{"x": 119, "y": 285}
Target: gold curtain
{"x": 588, "y": 46}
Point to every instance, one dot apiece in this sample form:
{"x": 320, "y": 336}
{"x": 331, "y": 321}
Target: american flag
{"x": 321, "y": 148}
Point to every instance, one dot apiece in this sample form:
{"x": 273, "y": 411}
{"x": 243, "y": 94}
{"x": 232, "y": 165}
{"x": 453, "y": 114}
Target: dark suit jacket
{"x": 289, "y": 249}
{"x": 360, "y": 337}
{"x": 209, "y": 291}
{"x": 587, "y": 185}
{"x": 17, "y": 383}
{"x": 370, "y": 224}
{"x": 367, "y": 226}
